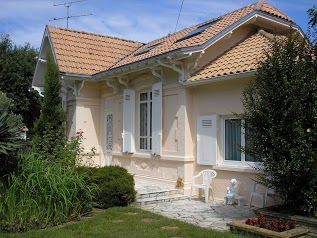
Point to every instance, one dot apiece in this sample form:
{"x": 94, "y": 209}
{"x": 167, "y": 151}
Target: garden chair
{"x": 262, "y": 194}
{"x": 207, "y": 176}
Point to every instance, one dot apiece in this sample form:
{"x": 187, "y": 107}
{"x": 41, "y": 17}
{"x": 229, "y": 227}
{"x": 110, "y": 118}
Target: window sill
{"x": 236, "y": 168}
{"x": 150, "y": 156}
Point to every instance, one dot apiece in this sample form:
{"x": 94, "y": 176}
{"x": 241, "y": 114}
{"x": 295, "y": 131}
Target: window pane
{"x": 143, "y": 97}
{"x": 233, "y": 139}
{"x": 143, "y": 119}
{"x": 143, "y": 143}
{"x": 150, "y": 118}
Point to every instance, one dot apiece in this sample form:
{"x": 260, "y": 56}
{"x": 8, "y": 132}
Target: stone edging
{"x": 241, "y": 226}
{"x": 310, "y": 223}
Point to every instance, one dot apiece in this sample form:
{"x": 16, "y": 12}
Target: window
{"x": 235, "y": 138}
{"x": 149, "y": 133}
{"x": 199, "y": 29}
{"x": 145, "y": 121}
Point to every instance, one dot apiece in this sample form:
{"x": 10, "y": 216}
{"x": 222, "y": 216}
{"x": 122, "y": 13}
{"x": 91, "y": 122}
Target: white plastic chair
{"x": 207, "y": 176}
{"x": 262, "y": 194}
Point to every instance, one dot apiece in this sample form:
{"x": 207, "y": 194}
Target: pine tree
{"x": 50, "y": 131}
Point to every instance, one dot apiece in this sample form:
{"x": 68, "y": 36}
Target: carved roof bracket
{"x": 76, "y": 86}
{"x": 178, "y": 67}
{"x": 157, "y": 72}
{"x": 121, "y": 80}
{"x": 113, "y": 85}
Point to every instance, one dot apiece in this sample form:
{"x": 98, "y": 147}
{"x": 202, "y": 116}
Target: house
{"x": 165, "y": 108}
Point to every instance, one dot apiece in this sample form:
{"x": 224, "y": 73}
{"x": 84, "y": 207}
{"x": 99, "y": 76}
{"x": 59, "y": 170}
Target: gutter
{"x": 84, "y": 76}
{"x": 218, "y": 78}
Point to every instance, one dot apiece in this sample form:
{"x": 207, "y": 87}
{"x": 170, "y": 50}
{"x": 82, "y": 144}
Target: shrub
{"x": 281, "y": 114}
{"x": 41, "y": 194}
{"x": 116, "y": 185}
{"x": 10, "y": 139}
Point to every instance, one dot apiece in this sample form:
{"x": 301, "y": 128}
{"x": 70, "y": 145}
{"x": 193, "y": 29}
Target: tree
{"x": 280, "y": 110}
{"x": 17, "y": 66}
{"x": 312, "y": 14}
{"x": 50, "y": 132}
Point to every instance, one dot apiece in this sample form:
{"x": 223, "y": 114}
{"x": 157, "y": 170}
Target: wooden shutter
{"x": 157, "y": 119}
{"x": 207, "y": 140}
{"x": 128, "y": 120}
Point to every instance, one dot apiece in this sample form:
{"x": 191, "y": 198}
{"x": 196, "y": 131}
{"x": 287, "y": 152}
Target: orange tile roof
{"x": 85, "y": 53}
{"x": 169, "y": 43}
{"x": 243, "y": 57}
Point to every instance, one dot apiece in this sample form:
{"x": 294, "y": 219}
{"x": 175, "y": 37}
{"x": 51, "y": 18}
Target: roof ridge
{"x": 259, "y": 5}
{"x": 94, "y": 34}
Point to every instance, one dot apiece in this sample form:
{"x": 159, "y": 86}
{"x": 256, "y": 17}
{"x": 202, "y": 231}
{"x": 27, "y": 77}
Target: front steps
{"x": 149, "y": 192}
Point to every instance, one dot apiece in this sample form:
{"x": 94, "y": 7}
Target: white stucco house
{"x": 165, "y": 108}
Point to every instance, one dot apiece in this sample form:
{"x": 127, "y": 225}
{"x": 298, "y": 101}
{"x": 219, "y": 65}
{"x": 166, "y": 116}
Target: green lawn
{"x": 126, "y": 222}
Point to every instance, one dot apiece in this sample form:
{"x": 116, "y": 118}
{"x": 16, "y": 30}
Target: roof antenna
{"x": 68, "y": 4}
{"x": 180, "y": 10}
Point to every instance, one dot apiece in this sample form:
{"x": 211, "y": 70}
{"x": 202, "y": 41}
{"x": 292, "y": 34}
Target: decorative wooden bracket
{"x": 157, "y": 72}
{"x": 113, "y": 85}
{"x": 77, "y": 86}
{"x": 178, "y": 67}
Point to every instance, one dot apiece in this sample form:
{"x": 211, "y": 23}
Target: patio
{"x": 214, "y": 214}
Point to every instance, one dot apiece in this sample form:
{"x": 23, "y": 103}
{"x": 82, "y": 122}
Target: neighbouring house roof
{"x": 243, "y": 57}
{"x": 171, "y": 42}
{"x": 86, "y": 53}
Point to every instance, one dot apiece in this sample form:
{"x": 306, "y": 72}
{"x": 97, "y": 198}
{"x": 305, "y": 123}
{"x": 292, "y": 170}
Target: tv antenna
{"x": 68, "y": 5}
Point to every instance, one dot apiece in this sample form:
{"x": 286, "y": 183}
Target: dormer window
{"x": 199, "y": 29}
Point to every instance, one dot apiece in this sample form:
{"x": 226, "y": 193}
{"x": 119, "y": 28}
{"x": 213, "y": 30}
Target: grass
{"x": 125, "y": 222}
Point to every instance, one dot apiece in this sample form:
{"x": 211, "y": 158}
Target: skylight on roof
{"x": 145, "y": 50}
{"x": 199, "y": 29}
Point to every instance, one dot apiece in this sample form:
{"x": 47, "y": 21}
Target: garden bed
{"x": 242, "y": 226}
{"x": 277, "y": 212}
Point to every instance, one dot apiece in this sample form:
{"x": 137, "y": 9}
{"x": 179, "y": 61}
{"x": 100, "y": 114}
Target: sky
{"x": 139, "y": 20}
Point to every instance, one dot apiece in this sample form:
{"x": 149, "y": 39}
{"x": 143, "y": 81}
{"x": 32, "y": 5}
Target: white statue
{"x": 232, "y": 191}
{"x": 234, "y": 187}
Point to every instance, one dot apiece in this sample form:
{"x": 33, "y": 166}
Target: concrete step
{"x": 158, "y": 193}
{"x": 158, "y": 199}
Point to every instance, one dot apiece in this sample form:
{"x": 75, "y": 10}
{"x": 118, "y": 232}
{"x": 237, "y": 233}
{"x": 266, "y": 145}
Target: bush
{"x": 116, "y": 185}
{"x": 10, "y": 139}
{"x": 42, "y": 193}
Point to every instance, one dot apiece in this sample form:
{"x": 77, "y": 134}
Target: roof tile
{"x": 242, "y": 57}
{"x": 85, "y": 53}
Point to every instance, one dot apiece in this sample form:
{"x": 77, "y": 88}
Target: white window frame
{"x": 149, "y": 135}
{"x": 242, "y": 162}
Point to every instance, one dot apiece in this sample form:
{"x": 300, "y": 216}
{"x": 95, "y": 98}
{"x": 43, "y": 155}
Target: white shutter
{"x": 128, "y": 120}
{"x": 207, "y": 140}
{"x": 157, "y": 119}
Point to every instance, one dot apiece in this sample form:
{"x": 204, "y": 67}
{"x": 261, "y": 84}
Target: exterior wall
{"x": 223, "y": 99}
{"x": 83, "y": 114}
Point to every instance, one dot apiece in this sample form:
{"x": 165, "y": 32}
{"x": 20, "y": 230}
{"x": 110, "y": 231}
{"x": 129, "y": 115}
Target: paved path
{"x": 214, "y": 215}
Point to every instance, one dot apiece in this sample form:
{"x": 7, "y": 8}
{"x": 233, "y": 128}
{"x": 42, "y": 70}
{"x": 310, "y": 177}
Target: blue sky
{"x": 139, "y": 20}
